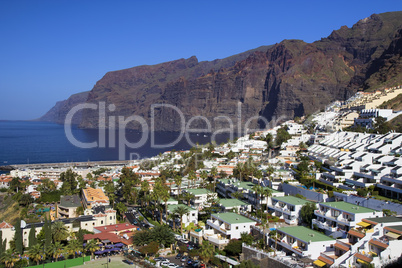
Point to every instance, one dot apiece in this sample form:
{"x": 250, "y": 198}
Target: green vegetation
{"x": 307, "y": 213}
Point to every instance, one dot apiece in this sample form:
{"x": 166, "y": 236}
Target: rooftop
{"x": 291, "y": 200}
{"x": 70, "y": 201}
{"x": 232, "y": 202}
{"x": 305, "y": 234}
{"x": 232, "y": 218}
{"x": 93, "y": 195}
{"x": 198, "y": 191}
{"x": 388, "y": 219}
{"x": 348, "y": 207}
{"x": 173, "y": 207}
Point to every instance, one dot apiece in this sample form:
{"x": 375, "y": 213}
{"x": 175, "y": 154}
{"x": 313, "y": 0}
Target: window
{"x": 93, "y": 224}
{"x": 237, "y": 227}
{"x": 110, "y": 217}
{"x": 101, "y": 222}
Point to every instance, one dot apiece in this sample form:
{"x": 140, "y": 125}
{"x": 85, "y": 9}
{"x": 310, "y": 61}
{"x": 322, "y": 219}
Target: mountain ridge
{"x": 288, "y": 79}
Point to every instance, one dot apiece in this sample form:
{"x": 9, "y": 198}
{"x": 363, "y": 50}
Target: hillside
{"x": 288, "y": 79}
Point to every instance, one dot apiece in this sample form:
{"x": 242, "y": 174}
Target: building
{"x": 7, "y": 231}
{"x": 94, "y": 197}
{"x": 337, "y": 218}
{"x": 227, "y": 226}
{"x": 301, "y": 241}
{"x": 191, "y": 216}
{"x": 231, "y": 204}
{"x": 287, "y": 208}
{"x": 200, "y": 197}
{"x": 68, "y": 206}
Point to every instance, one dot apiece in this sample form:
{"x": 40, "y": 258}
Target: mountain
{"x": 288, "y": 79}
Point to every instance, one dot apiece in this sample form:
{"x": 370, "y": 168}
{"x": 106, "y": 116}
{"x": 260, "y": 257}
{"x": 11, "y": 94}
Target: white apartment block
{"x": 287, "y": 208}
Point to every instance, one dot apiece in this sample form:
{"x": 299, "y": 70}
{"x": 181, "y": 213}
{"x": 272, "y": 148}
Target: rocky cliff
{"x": 287, "y": 79}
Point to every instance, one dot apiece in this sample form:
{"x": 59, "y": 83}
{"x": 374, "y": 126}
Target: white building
{"x": 200, "y": 197}
{"x": 287, "y": 208}
{"x": 191, "y": 216}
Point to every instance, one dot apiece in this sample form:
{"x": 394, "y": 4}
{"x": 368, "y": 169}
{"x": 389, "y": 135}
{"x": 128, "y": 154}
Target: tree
{"x": 32, "y": 237}
{"x": 70, "y": 182}
{"x": 74, "y": 246}
{"x": 59, "y": 231}
{"x": 246, "y": 238}
{"x": 128, "y": 180}
{"x": 9, "y": 258}
{"x": 26, "y": 199}
{"x": 110, "y": 192}
{"x": 163, "y": 235}
{"x": 80, "y": 236}
{"x": 47, "y": 231}
{"x": 121, "y": 208}
{"x": 36, "y": 253}
{"x": 178, "y": 181}
{"x": 248, "y": 264}
{"x": 151, "y": 248}
{"x": 192, "y": 177}
{"x": 141, "y": 238}
{"x": 181, "y": 211}
{"x": 55, "y": 250}
{"x": 207, "y": 251}
{"x": 282, "y": 135}
{"x": 233, "y": 248}
{"x": 307, "y": 213}
{"x": 92, "y": 246}
{"x": 237, "y": 195}
{"x": 18, "y": 237}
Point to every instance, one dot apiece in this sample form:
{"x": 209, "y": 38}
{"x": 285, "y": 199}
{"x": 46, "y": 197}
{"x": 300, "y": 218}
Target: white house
{"x": 191, "y": 216}
{"x": 287, "y": 207}
{"x": 200, "y": 197}
{"x": 301, "y": 241}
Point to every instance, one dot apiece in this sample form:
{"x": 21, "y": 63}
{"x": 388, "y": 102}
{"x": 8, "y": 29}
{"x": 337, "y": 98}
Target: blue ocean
{"x": 26, "y": 142}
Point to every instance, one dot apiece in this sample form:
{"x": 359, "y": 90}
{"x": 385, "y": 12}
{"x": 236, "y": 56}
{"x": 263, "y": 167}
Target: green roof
{"x": 173, "y": 207}
{"x": 385, "y": 219}
{"x": 232, "y": 218}
{"x": 199, "y": 191}
{"x": 232, "y": 202}
{"x": 348, "y": 207}
{"x": 305, "y": 234}
{"x": 291, "y": 200}
{"x": 249, "y": 186}
{"x": 70, "y": 201}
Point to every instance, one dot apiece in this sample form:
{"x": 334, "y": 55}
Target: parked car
{"x": 159, "y": 259}
{"x": 184, "y": 259}
{"x": 178, "y": 256}
{"x": 189, "y": 261}
{"x": 165, "y": 263}
{"x": 195, "y": 264}
{"x": 172, "y": 265}
{"x": 185, "y": 241}
{"x": 190, "y": 247}
{"x": 128, "y": 262}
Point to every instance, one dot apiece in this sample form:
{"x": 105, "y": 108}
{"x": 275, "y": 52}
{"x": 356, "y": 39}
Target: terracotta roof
{"x": 356, "y": 233}
{"x": 114, "y": 238}
{"x": 110, "y": 211}
{"x": 378, "y": 243}
{"x": 99, "y": 215}
{"x": 340, "y": 246}
{"x": 363, "y": 258}
{"x": 116, "y": 227}
{"x": 5, "y": 225}
{"x": 95, "y": 195}
{"x": 325, "y": 260}
{"x": 389, "y": 228}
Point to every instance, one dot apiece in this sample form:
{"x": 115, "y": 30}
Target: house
{"x": 200, "y": 197}
{"x": 301, "y": 241}
{"x": 68, "y": 206}
{"x": 287, "y": 208}
{"x": 230, "y": 204}
{"x": 227, "y": 226}
{"x": 94, "y": 197}
{"x": 337, "y": 218}
{"x": 7, "y": 231}
{"x": 191, "y": 216}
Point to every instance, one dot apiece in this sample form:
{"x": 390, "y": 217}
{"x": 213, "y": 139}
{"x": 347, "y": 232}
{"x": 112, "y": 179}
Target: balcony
{"x": 215, "y": 239}
{"x": 219, "y": 228}
{"x": 324, "y": 225}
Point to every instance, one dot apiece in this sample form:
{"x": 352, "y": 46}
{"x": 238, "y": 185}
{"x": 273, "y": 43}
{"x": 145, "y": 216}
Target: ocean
{"x": 27, "y": 142}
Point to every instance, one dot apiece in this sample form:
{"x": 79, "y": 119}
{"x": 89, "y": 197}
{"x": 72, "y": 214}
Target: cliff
{"x": 287, "y": 79}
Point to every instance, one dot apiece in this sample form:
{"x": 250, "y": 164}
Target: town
{"x": 324, "y": 190}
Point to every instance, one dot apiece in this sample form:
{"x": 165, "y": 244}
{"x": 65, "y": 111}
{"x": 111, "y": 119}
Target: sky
{"x": 50, "y": 50}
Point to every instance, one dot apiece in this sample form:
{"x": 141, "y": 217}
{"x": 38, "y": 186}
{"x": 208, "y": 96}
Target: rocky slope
{"x": 288, "y": 79}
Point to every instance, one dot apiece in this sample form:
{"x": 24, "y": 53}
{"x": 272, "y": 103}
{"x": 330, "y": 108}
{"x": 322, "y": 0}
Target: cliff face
{"x": 57, "y": 113}
{"x": 288, "y": 79}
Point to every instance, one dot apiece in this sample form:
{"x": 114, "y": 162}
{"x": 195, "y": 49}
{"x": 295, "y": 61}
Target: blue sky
{"x": 52, "y": 49}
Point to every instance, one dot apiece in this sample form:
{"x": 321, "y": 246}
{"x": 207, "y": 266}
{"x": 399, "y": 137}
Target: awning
{"x": 393, "y": 235}
{"x": 363, "y": 262}
{"x": 363, "y": 224}
{"x": 319, "y": 263}
{"x": 119, "y": 245}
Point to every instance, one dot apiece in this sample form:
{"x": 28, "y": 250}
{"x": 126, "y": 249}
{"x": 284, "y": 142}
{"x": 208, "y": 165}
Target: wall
{"x": 310, "y": 195}
{"x": 369, "y": 203}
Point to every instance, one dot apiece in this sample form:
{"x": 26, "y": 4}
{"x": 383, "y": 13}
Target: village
{"x": 315, "y": 191}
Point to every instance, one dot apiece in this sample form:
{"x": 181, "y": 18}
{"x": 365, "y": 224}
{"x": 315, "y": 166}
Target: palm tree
{"x": 73, "y": 247}
{"x": 214, "y": 173}
{"x": 267, "y": 193}
{"x": 59, "y": 231}
{"x": 36, "y": 253}
{"x": 172, "y": 216}
{"x": 204, "y": 176}
{"x": 187, "y": 196}
{"x": 144, "y": 190}
{"x": 207, "y": 251}
{"x": 257, "y": 190}
{"x": 92, "y": 246}
{"x": 237, "y": 195}
{"x": 9, "y": 258}
{"x": 55, "y": 250}
{"x": 178, "y": 180}
{"x": 192, "y": 176}
{"x": 181, "y": 210}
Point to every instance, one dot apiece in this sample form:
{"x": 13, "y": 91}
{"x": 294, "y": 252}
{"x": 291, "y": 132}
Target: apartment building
{"x": 94, "y": 197}
{"x": 301, "y": 241}
{"x": 191, "y": 216}
{"x": 337, "y": 218}
{"x": 287, "y": 208}
{"x": 200, "y": 197}
{"x": 68, "y": 206}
